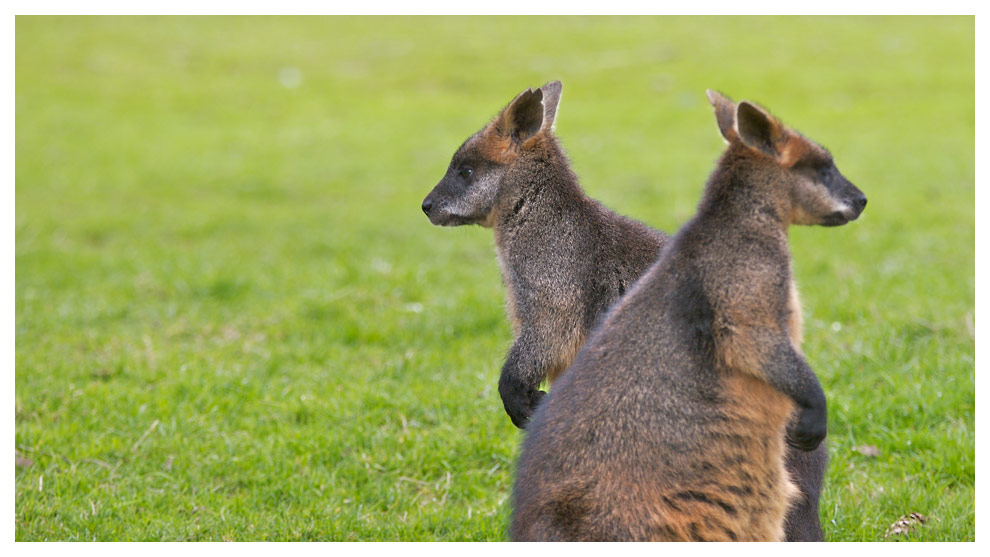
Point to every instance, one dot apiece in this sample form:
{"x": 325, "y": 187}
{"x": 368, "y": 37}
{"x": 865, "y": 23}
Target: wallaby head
{"x": 467, "y": 192}
{"x": 808, "y": 188}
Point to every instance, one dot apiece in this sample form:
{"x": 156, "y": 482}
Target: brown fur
{"x": 497, "y": 148}
{"x": 670, "y": 424}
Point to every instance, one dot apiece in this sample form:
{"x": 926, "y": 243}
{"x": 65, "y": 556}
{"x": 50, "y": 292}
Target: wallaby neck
{"x": 740, "y": 194}
{"x": 537, "y": 192}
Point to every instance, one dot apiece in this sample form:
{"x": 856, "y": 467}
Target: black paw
{"x": 519, "y": 400}
{"x": 808, "y": 429}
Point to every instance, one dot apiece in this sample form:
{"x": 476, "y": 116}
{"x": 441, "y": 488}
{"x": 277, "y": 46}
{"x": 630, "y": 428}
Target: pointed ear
{"x": 758, "y": 130}
{"x": 725, "y": 114}
{"x": 551, "y": 100}
{"x": 523, "y": 118}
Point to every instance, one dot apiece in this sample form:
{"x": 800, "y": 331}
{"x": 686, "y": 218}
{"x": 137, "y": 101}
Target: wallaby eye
{"x": 824, "y": 173}
{"x": 465, "y": 172}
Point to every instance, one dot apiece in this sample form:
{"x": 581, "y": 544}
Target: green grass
{"x": 233, "y": 321}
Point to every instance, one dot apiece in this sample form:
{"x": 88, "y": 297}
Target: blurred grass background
{"x": 233, "y": 321}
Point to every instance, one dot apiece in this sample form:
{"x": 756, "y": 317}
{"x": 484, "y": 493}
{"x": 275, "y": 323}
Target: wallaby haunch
{"x": 671, "y": 422}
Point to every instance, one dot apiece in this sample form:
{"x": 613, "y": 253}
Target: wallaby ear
{"x": 551, "y": 100}
{"x": 725, "y": 114}
{"x": 758, "y": 130}
{"x": 523, "y": 118}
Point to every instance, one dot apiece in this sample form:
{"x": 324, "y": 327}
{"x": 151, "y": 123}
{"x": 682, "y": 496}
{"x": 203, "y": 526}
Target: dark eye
{"x": 465, "y": 172}
{"x": 824, "y": 172}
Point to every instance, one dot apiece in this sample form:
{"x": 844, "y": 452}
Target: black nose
{"x": 860, "y": 203}
{"x": 427, "y": 205}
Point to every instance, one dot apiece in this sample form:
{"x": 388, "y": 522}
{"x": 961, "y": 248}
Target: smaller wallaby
{"x": 565, "y": 258}
{"x": 672, "y": 421}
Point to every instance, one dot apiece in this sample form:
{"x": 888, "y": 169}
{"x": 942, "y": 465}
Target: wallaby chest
{"x": 795, "y": 319}
{"x": 509, "y": 281}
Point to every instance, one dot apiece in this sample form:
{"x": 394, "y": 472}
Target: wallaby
{"x": 565, "y": 259}
{"x": 671, "y": 422}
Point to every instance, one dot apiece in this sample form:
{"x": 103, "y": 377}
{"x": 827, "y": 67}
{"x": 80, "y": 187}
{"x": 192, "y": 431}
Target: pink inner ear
{"x": 725, "y": 114}
{"x": 725, "y": 117}
{"x": 551, "y": 101}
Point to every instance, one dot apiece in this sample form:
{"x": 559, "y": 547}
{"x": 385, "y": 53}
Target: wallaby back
{"x": 670, "y": 424}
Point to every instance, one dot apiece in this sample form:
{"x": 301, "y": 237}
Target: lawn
{"x": 233, "y": 322}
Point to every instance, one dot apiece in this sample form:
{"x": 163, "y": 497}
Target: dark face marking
{"x": 466, "y": 193}
{"x": 839, "y": 201}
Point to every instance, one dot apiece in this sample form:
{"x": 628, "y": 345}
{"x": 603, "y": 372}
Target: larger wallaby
{"x": 670, "y": 424}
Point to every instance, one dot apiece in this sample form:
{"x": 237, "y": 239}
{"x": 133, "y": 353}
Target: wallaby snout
{"x": 859, "y": 203}
{"x": 438, "y": 214}
{"x": 466, "y": 194}
{"x": 853, "y": 202}
{"x": 845, "y": 200}
{"x": 436, "y": 205}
